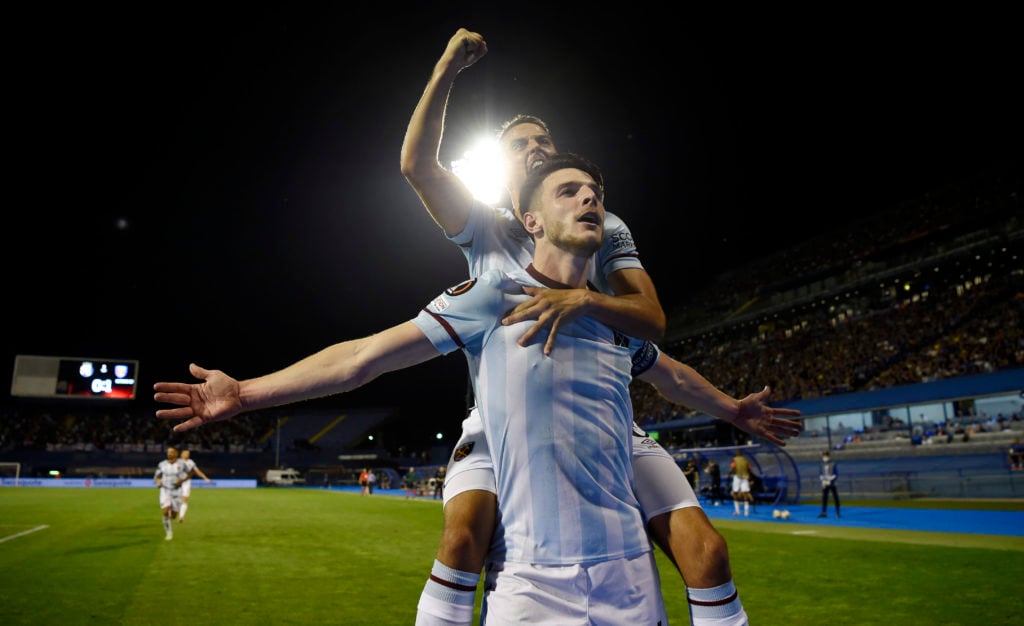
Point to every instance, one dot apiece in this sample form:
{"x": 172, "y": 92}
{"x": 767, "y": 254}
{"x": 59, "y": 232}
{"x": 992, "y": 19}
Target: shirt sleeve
{"x": 463, "y": 315}
{"x": 465, "y": 238}
{"x": 618, "y": 251}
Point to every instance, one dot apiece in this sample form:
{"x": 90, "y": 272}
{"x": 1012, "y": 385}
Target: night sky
{"x": 224, "y": 188}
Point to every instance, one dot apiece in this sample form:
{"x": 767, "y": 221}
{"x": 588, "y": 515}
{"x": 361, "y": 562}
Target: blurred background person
{"x": 828, "y": 475}
{"x": 191, "y": 470}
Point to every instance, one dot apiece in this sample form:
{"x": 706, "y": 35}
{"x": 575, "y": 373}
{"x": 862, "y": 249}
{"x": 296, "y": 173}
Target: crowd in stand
{"x": 916, "y": 313}
{"x": 942, "y": 332}
{"x": 83, "y": 428}
{"x": 965, "y": 212}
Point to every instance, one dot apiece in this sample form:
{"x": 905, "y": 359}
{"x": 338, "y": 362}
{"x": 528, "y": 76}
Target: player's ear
{"x": 531, "y": 223}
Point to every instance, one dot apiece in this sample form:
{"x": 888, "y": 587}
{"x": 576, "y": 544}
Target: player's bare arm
{"x": 681, "y": 384}
{"x": 444, "y": 195}
{"x": 635, "y": 310}
{"x": 339, "y": 368}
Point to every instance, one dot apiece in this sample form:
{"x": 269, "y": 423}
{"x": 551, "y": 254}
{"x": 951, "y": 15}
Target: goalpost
{"x": 9, "y": 470}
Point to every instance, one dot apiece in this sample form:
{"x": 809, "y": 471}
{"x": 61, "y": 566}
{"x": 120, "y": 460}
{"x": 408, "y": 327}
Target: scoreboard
{"x": 74, "y": 377}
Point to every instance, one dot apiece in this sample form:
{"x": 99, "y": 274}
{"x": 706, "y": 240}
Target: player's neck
{"x": 560, "y": 271}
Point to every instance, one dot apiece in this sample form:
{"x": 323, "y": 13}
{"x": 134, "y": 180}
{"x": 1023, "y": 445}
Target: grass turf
{"x": 306, "y": 556}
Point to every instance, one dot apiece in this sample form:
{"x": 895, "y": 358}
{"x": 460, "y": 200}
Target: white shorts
{"x": 740, "y": 485}
{"x": 470, "y": 466}
{"x": 186, "y": 488}
{"x": 612, "y": 593}
{"x": 660, "y": 484}
{"x": 170, "y": 498}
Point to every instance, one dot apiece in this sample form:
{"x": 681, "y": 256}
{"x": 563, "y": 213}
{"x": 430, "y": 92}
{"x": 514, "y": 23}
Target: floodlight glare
{"x": 480, "y": 168}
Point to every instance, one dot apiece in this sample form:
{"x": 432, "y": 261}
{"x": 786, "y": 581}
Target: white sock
{"x": 447, "y": 598}
{"x": 184, "y": 507}
{"x": 717, "y": 606}
{"x": 167, "y": 523}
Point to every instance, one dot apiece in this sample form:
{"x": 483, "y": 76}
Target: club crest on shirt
{"x": 461, "y": 288}
{"x": 463, "y": 451}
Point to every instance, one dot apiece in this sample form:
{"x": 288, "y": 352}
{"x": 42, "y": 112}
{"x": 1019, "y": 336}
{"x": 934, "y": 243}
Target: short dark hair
{"x": 522, "y": 118}
{"x": 560, "y": 161}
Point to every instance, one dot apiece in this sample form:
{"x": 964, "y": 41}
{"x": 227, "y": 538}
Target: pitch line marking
{"x": 23, "y": 533}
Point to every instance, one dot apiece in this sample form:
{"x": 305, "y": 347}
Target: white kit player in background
{"x": 170, "y": 474}
{"x": 191, "y": 470}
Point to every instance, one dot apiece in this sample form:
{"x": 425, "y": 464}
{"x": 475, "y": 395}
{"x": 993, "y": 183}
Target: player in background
{"x": 186, "y": 487}
{"x": 739, "y": 469}
{"x": 170, "y": 474}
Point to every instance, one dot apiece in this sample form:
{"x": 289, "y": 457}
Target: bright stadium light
{"x": 480, "y": 168}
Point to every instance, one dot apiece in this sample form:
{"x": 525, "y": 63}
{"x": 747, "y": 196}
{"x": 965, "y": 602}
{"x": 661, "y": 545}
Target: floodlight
{"x": 481, "y": 169}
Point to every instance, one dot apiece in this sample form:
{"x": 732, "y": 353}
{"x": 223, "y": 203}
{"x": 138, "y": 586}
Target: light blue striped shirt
{"x": 559, "y": 427}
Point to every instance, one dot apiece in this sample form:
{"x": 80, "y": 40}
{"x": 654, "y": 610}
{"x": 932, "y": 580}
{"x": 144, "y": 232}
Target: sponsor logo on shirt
{"x": 622, "y": 240}
{"x": 439, "y": 304}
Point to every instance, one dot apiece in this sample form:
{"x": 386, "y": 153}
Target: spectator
{"x": 1016, "y": 454}
{"x": 409, "y": 482}
{"x": 439, "y": 481}
{"x": 364, "y": 482}
{"x": 714, "y": 473}
{"x": 692, "y": 475}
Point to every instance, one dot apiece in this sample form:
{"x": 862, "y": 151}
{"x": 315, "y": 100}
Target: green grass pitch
{"x": 307, "y": 556}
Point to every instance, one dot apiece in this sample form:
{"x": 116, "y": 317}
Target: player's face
{"x": 571, "y": 211}
{"x": 524, "y": 146}
{"x": 172, "y": 454}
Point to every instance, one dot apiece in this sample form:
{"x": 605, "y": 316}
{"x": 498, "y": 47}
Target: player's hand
{"x": 464, "y": 49}
{"x": 207, "y": 480}
{"x": 551, "y": 308}
{"x": 216, "y": 398}
{"x": 757, "y": 418}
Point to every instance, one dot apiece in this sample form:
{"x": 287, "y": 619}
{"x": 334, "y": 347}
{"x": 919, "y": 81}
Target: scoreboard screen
{"x": 75, "y": 377}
